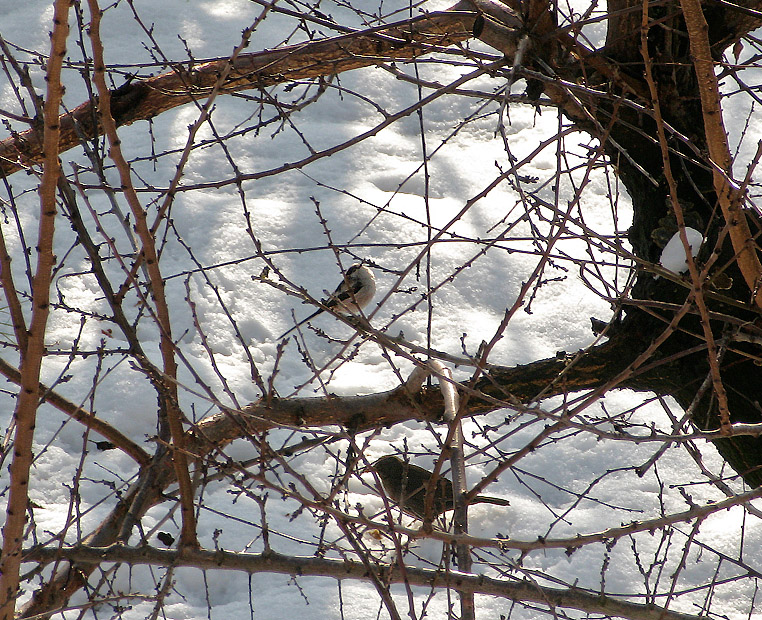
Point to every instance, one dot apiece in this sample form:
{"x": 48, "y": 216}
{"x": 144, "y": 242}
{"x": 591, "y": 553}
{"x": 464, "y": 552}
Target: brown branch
{"x": 31, "y": 356}
{"x": 87, "y": 418}
{"x": 147, "y": 98}
{"x": 614, "y": 533}
{"x": 580, "y": 540}
{"x": 149, "y": 254}
{"x": 719, "y": 151}
{"x": 697, "y": 278}
{"x": 454, "y": 442}
{"x": 11, "y": 295}
{"x": 272, "y": 562}
{"x": 501, "y": 387}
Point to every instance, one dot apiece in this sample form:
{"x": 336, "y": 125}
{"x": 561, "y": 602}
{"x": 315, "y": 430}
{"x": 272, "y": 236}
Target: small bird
{"x": 353, "y": 293}
{"x": 405, "y": 484}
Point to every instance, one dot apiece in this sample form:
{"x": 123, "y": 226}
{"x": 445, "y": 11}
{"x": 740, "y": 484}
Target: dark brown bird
{"x": 405, "y": 485}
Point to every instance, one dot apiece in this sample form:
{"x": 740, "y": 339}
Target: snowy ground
{"x": 369, "y": 199}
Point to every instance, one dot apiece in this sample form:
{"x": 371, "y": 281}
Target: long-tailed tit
{"x": 353, "y": 293}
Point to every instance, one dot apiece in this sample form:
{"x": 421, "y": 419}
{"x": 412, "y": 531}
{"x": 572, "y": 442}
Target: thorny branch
{"x": 32, "y": 345}
{"x": 168, "y": 389}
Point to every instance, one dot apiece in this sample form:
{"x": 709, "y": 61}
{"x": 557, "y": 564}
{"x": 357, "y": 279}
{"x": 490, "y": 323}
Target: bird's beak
{"x": 367, "y": 469}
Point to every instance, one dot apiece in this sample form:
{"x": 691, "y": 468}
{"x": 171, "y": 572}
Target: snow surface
{"x": 674, "y": 256}
{"x": 350, "y": 188}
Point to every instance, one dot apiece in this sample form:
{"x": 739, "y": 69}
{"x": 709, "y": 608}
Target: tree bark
{"x": 679, "y": 93}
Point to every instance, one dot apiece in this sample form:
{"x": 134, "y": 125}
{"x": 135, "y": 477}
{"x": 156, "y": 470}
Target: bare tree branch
{"x": 33, "y": 352}
{"x": 272, "y": 562}
{"x": 147, "y": 98}
{"x": 731, "y": 202}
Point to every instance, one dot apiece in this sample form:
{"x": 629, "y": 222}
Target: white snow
{"x": 674, "y": 257}
{"x": 371, "y": 195}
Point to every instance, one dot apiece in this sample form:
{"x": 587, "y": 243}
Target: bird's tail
{"x": 299, "y": 324}
{"x": 485, "y": 499}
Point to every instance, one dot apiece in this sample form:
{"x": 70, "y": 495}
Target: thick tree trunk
{"x": 654, "y": 220}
